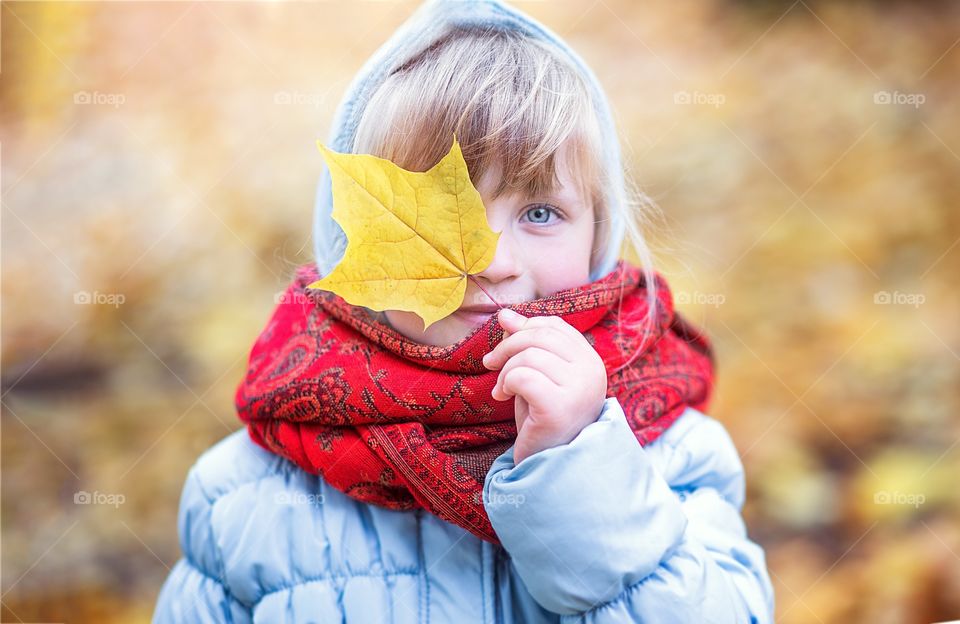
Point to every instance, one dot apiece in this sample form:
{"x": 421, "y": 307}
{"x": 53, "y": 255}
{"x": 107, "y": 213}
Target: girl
{"x": 539, "y": 457}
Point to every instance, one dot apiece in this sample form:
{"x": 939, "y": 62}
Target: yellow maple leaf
{"x": 413, "y": 238}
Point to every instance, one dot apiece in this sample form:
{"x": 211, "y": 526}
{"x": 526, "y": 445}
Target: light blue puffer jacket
{"x": 599, "y": 530}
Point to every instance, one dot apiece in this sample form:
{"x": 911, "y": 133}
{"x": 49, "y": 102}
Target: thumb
{"x": 523, "y": 446}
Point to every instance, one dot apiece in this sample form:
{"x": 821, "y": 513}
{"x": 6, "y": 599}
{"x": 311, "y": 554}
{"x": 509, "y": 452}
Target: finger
{"x": 510, "y": 320}
{"x": 548, "y": 338}
{"x": 526, "y": 443}
{"x": 537, "y": 435}
{"x": 535, "y": 387}
{"x": 550, "y": 364}
{"x": 533, "y": 322}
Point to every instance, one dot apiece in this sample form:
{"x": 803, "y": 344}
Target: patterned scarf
{"x": 404, "y": 425}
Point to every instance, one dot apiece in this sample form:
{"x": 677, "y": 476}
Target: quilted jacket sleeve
{"x": 605, "y": 530}
{"x": 194, "y": 590}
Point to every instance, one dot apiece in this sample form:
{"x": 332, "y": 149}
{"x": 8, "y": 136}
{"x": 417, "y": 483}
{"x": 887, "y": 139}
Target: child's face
{"x": 539, "y": 253}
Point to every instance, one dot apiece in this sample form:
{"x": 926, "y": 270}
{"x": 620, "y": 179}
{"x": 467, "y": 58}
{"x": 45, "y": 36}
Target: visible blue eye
{"x": 542, "y": 211}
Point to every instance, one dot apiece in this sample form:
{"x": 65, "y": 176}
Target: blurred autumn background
{"x": 158, "y": 169}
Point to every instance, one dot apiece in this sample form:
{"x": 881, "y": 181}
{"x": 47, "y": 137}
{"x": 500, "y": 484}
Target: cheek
{"x": 406, "y": 323}
{"x": 444, "y": 332}
{"x": 569, "y": 259}
{"x": 563, "y": 272}
{"x": 562, "y": 265}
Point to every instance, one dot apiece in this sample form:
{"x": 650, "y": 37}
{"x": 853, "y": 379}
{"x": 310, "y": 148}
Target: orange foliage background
{"x": 158, "y": 173}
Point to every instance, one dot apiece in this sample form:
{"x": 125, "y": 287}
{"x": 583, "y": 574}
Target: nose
{"x": 506, "y": 262}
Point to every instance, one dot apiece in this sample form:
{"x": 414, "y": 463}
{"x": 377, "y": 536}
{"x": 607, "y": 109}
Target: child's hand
{"x": 559, "y": 380}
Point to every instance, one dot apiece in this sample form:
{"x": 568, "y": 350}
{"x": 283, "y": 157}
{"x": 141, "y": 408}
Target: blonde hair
{"x": 513, "y": 104}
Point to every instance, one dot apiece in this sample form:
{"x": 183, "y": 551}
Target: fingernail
{"x": 511, "y": 314}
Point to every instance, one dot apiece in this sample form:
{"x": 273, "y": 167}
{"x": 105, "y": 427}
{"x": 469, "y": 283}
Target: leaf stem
{"x": 499, "y": 305}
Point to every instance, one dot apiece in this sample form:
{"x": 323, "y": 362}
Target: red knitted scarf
{"x": 401, "y": 424}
